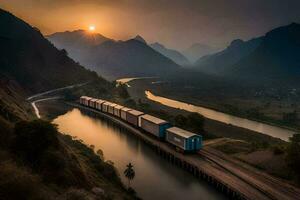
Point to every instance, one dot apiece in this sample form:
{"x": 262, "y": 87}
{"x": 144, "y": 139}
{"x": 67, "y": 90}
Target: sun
{"x": 92, "y": 28}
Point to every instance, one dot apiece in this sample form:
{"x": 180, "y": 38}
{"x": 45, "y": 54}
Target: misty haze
{"x": 145, "y": 99}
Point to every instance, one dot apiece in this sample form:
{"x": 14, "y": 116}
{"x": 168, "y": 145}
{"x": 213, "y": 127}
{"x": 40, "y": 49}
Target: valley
{"x": 181, "y": 100}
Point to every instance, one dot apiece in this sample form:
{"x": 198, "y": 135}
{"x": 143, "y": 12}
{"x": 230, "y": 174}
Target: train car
{"x": 84, "y": 100}
{"x": 111, "y": 108}
{"x": 105, "y": 106}
{"x": 92, "y": 102}
{"x": 99, "y": 104}
{"x": 184, "y": 140}
{"x": 124, "y": 111}
{"x": 117, "y": 110}
{"x": 87, "y": 101}
{"x": 133, "y": 117}
{"x": 154, "y": 125}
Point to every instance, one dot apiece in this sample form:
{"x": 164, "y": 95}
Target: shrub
{"x": 293, "y": 155}
{"x": 33, "y": 139}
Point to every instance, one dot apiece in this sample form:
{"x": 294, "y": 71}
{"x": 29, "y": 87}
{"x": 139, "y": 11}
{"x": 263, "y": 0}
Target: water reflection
{"x": 273, "y": 131}
{"x": 155, "y": 177}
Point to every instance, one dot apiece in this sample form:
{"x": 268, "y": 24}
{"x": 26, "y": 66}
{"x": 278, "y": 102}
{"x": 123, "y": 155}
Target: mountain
{"x": 139, "y": 38}
{"x": 76, "y": 42}
{"x": 197, "y": 50}
{"x": 277, "y": 57}
{"x": 174, "y": 55}
{"x": 273, "y": 57}
{"x": 36, "y": 159}
{"x": 32, "y": 61}
{"x": 218, "y": 62}
{"x": 128, "y": 58}
{"x": 114, "y": 59}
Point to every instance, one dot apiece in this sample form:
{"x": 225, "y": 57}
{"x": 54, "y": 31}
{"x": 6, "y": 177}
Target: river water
{"x": 263, "y": 128}
{"x": 155, "y": 178}
{"x": 273, "y": 131}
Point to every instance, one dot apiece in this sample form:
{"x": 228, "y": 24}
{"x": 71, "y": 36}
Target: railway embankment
{"x": 226, "y": 175}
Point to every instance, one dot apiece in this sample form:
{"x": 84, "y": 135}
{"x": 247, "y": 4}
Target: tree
{"x": 293, "y": 155}
{"x": 291, "y": 117}
{"x": 196, "y": 122}
{"x": 33, "y": 139}
{"x": 129, "y": 173}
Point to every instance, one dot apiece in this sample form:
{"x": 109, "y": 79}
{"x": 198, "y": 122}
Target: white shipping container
{"x": 99, "y": 104}
{"x": 111, "y": 108}
{"x": 124, "y": 113}
{"x": 117, "y": 110}
{"x": 105, "y": 106}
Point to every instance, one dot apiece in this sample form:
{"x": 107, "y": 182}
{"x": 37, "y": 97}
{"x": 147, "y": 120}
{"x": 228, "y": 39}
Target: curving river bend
{"x": 259, "y": 127}
{"x": 155, "y": 178}
{"x": 267, "y": 129}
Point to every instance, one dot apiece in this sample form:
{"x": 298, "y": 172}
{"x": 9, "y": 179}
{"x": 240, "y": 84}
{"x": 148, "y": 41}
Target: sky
{"x": 175, "y": 23}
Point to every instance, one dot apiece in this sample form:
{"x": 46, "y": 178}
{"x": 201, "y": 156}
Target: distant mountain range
{"x": 275, "y": 56}
{"x": 77, "y": 43}
{"x": 139, "y": 38}
{"x": 174, "y": 55}
{"x": 114, "y": 59}
{"x": 219, "y": 62}
{"x": 30, "y": 60}
{"x": 197, "y": 50}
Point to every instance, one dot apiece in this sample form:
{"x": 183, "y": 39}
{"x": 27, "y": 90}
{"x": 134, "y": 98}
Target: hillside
{"x": 273, "y": 57}
{"x": 219, "y": 62}
{"x": 37, "y": 162}
{"x": 174, "y": 55}
{"x": 114, "y": 59}
{"x": 276, "y": 58}
{"x": 197, "y": 50}
{"x": 30, "y": 59}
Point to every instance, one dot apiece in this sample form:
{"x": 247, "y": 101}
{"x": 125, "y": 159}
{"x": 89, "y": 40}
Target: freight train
{"x": 182, "y": 140}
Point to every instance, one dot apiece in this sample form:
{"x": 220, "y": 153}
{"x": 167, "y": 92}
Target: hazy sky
{"x": 175, "y": 23}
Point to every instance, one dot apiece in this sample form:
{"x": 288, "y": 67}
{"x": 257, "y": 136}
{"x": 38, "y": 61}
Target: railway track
{"x": 251, "y": 183}
{"x": 270, "y": 186}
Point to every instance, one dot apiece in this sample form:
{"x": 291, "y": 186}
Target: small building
{"x": 111, "y": 108}
{"x": 133, "y": 117}
{"x": 124, "y": 111}
{"x": 185, "y": 140}
{"x": 117, "y": 110}
{"x": 154, "y": 125}
{"x": 105, "y": 106}
{"x": 99, "y": 104}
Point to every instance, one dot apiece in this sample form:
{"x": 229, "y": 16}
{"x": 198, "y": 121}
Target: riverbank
{"x": 213, "y": 127}
{"x": 247, "y": 175}
{"x": 271, "y": 110}
{"x": 80, "y": 174}
{"x": 227, "y": 111}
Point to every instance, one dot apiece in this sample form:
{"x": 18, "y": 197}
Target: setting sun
{"x": 92, "y": 28}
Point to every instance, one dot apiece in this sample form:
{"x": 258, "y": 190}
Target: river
{"x": 267, "y": 129}
{"x": 155, "y": 178}
{"x": 259, "y": 127}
